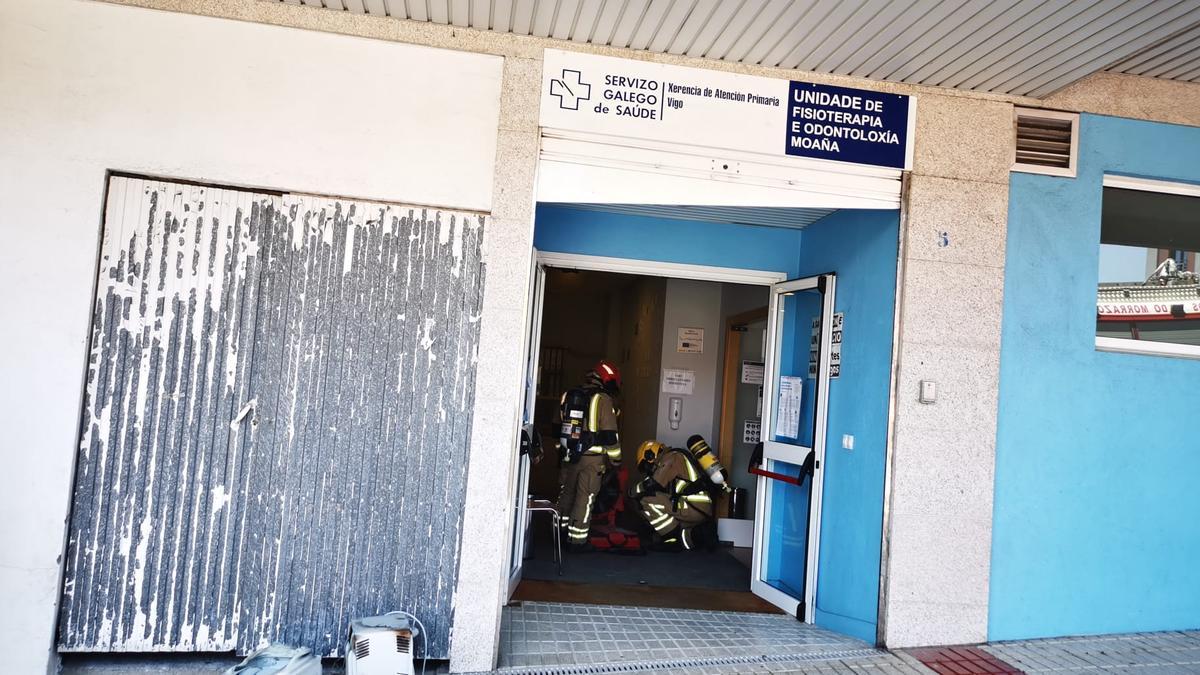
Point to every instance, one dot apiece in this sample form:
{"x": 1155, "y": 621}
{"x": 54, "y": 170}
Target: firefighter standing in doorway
{"x": 590, "y": 445}
{"x": 675, "y": 497}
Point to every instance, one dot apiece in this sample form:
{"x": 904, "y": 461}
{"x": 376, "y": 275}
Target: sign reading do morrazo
{"x": 658, "y": 102}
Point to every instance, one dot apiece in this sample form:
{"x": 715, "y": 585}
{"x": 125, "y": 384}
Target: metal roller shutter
{"x": 276, "y": 420}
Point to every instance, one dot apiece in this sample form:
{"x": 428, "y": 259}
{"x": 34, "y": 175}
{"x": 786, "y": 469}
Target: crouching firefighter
{"x": 590, "y": 445}
{"x": 676, "y": 495}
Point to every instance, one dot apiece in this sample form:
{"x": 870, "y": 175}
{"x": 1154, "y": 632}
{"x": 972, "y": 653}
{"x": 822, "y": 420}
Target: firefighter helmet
{"x": 649, "y": 450}
{"x": 609, "y": 374}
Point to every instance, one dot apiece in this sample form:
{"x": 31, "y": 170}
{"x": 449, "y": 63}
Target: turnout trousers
{"x": 673, "y": 518}
{"x": 580, "y": 483}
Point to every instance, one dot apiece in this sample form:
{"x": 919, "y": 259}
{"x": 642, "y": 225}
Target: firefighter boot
{"x": 671, "y": 542}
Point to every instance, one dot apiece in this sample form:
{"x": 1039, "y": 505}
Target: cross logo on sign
{"x": 570, "y": 90}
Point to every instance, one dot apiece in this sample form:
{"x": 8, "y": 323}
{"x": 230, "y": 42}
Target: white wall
{"x": 691, "y": 304}
{"x": 89, "y": 87}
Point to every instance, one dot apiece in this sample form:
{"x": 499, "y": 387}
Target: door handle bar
{"x": 756, "y": 460}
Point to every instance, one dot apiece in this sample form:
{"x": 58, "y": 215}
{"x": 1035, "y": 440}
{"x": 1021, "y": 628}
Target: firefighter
{"x": 674, "y": 497}
{"x": 590, "y": 446}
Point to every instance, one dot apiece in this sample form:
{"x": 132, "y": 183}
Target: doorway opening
{"x": 811, "y": 513}
{"x": 684, "y": 345}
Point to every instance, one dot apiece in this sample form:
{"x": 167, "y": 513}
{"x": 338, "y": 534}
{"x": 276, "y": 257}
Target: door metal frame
{"x": 532, "y": 346}
{"x": 519, "y": 465}
{"x": 654, "y": 268}
{"x": 777, "y": 284}
{"x": 773, "y": 451}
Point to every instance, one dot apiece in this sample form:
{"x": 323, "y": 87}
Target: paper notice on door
{"x": 678, "y": 381}
{"x": 788, "y": 422}
{"x": 752, "y": 372}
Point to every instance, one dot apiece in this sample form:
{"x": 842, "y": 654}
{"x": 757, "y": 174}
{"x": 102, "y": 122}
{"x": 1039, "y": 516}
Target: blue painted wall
{"x": 861, "y": 247}
{"x": 566, "y": 230}
{"x": 1097, "y": 504}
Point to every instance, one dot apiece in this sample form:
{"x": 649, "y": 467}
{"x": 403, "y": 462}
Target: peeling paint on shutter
{"x": 276, "y": 421}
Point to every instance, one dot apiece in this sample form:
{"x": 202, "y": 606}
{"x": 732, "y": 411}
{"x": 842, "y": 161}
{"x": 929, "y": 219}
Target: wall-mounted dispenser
{"x": 675, "y": 412}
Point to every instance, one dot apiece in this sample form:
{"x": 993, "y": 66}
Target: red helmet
{"x": 608, "y": 373}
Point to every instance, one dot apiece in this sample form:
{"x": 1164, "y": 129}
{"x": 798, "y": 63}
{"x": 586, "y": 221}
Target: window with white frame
{"x": 1148, "y": 297}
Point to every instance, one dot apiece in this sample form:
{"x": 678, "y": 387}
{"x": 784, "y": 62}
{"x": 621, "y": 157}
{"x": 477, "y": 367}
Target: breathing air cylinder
{"x": 708, "y": 460}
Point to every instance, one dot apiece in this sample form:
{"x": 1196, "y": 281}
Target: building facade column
{"x": 508, "y": 245}
{"x": 938, "y": 525}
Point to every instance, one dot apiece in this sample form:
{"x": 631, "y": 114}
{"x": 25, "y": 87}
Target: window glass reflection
{"x": 1148, "y": 285}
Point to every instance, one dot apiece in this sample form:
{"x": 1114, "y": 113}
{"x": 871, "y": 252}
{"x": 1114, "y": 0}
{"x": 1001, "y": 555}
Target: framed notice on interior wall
{"x": 691, "y": 341}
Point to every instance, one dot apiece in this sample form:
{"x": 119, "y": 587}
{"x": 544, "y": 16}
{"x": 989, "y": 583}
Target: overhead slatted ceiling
{"x": 1024, "y": 47}
{"x": 766, "y": 216}
{"x": 1176, "y": 59}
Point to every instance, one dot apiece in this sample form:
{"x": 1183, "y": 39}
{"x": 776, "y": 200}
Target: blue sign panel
{"x": 847, "y": 125}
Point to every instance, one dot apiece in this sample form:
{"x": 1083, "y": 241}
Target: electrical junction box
{"x": 928, "y": 391}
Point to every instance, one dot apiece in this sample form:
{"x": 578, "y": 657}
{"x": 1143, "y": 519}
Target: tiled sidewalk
{"x": 565, "y": 639}
{"x": 1140, "y": 653}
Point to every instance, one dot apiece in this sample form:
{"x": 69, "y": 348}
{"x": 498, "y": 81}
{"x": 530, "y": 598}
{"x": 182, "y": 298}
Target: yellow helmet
{"x": 648, "y": 450}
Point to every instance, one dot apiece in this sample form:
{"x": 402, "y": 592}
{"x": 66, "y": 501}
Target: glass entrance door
{"x": 520, "y": 487}
{"x": 795, "y": 396}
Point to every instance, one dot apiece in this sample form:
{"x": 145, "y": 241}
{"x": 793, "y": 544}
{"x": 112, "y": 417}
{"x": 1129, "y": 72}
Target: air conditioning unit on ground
{"x": 381, "y": 645}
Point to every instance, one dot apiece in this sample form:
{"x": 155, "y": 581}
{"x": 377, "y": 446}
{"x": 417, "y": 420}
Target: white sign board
{"x": 835, "y": 347}
{"x": 814, "y": 346}
{"x": 1110, "y": 311}
{"x": 697, "y": 106}
{"x": 691, "y": 341}
{"x": 752, "y": 372}
{"x": 788, "y": 424}
{"x": 678, "y": 381}
{"x": 751, "y": 431}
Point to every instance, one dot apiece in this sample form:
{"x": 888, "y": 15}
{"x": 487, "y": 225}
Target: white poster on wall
{"x": 814, "y": 346}
{"x": 835, "y": 348}
{"x": 678, "y": 381}
{"x": 691, "y": 341}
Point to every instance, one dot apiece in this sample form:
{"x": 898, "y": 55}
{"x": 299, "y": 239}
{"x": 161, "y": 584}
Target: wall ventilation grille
{"x": 1046, "y": 141}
